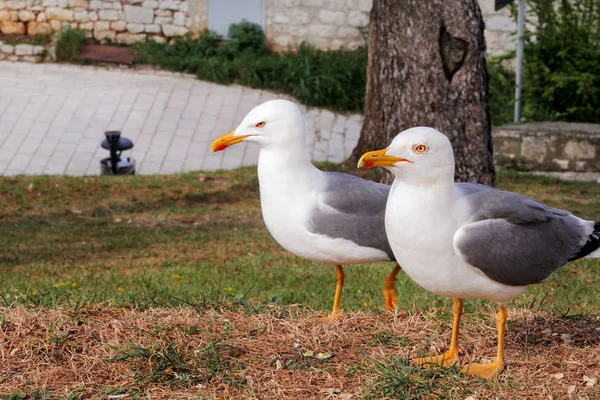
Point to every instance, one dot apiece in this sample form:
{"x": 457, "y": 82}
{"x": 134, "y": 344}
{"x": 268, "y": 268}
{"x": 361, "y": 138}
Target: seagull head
{"x": 419, "y": 154}
{"x": 275, "y": 123}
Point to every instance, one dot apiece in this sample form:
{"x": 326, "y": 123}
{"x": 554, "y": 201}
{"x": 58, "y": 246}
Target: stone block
{"x": 102, "y": 35}
{"x": 365, "y": 5}
{"x": 23, "y": 50}
{"x": 12, "y": 28}
{"x": 3, "y": 56}
{"x": 96, "y": 5}
{"x": 179, "y": 18}
{"x": 101, "y": 26}
{"x": 108, "y": 15}
{"x": 347, "y": 32}
{"x": 163, "y": 20}
{"x": 135, "y": 28}
{"x": 86, "y": 26}
{"x": 577, "y": 150}
{"x": 79, "y": 3}
{"x": 50, "y": 3}
{"x": 16, "y": 4}
{"x": 7, "y": 48}
{"x": 13, "y": 58}
{"x": 118, "y": 26}
{"x": 358, "y": 18}
{"x": 168, "y": 5}
{"x": 26, "y": 15}
{"x": 93, "y": 16}
{"x": 158, "y": 39}
{"x": 184, "y": 6}
{"x": 150, "y": 4}
{"x": 152, "y": 28}
{"x": 36, "y": 28}
{"x": 331, "y": 17}
{"x": 173, "y": 30}
{"x": 130, "y": 38}
{"x": 322, "y": 31}
{"x": 55, "y": 25}
{"x": 5, "y": 16}
{"x": 281, "y": 19}
{"x": 81, "y": 16}
{"x": 41, "y": 17}
{"x": 63, "y": 3}
{"x": 59, "y": 14}
{"x": 163, "y": 13}
{"x": 139, "y": 14}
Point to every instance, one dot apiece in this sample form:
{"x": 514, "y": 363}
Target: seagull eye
{"x": 420, "y": 149}
{"x": 261, "y": 124}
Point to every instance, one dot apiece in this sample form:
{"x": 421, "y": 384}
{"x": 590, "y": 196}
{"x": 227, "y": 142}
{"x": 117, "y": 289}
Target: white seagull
{"x": 466, "y": 240}
{"x": 317, "y": 215}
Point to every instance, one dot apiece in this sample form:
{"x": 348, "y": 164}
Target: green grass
{"x": 199, "y": 239}
{"x": 32, "y": 40}
{"x": 69, "y": 44}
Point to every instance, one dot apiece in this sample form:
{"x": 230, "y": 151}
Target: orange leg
{"x": 339, "y": 285}
{"x": 389, "y": 289}
{"x": 450, "y": 357}
{"x": 488, "y": 371}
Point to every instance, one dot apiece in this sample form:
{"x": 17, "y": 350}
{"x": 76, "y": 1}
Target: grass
{"x": 164, "y": 240}
{"x": 69, "y": 44}
{"x": 171, "y": 284}
{"x": 36, "y": 40}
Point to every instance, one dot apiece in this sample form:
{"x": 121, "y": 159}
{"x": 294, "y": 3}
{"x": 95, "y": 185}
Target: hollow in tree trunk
{"x": 427, "y": 68}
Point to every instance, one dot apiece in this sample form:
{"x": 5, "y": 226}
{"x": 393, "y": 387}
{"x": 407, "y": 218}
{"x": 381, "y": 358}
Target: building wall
{"x": 323, "y": 23}
{"x": 123, "y": 21}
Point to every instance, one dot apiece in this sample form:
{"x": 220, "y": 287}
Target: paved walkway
{"x": 53, "y": 118}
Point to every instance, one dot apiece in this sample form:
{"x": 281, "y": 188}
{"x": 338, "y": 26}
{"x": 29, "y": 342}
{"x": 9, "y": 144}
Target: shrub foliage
{"x": 562, "y": 61}
{"x": 334, "y": 79}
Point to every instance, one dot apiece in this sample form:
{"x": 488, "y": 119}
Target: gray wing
{"x": 514, "y": 239}
{"x": 352, "y": 208}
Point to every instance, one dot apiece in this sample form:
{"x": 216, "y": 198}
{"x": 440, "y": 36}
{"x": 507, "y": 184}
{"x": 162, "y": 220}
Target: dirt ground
{"x": 183, "y": 353}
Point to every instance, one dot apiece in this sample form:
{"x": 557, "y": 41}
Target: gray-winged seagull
{"x": 321, "y": 216}
{"x": 465, "y": 240}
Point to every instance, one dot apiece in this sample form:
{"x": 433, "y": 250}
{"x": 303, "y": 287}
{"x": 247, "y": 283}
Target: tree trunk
{"x": 427, "y": 68}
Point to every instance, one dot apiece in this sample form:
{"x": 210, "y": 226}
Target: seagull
{"x": 465, "y": 240}
{"x": 321, "y": 216}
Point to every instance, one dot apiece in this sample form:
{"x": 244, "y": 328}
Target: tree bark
{"x": 427, "y": 68}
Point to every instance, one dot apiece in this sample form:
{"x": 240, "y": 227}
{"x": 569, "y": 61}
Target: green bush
{"x": 332, "y": 79}
{"x": 246, "y": 37}
{"x": 69, "y": 44}
{"x": 561, "y": 79}
{"x": 501, "y": 91}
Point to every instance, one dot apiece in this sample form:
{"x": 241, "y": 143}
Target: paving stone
{"x": 172, "y": 119}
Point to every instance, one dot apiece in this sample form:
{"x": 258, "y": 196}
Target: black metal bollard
{"x": 115, "y": 164}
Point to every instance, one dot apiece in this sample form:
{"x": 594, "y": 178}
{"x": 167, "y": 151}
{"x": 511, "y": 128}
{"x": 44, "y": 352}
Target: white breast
{"x": 420, "y": 228}
{"x": 288, "y": 193}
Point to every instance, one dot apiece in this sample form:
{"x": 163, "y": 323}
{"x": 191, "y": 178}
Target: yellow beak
{"x": 227, "y": 140}
{"x": 378, "y": 158}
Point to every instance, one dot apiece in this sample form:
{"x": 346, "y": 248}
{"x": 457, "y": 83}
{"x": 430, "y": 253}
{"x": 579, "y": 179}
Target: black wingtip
{"x": 592, "y": 244}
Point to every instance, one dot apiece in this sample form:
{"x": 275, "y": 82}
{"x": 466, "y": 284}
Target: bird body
{"x": 293, "y": 193}
{"x": 317, "y": 215}
{"x": 465, "y": 240}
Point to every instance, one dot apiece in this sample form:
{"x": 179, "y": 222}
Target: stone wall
{"x": 323, "y": 23}
{"x": 336, "y": 23}
{"x": 327, "y": 24}
{"x": 558, "y": 147}
{"x": 22, "y": 52}
{"x": 121, "y": 21}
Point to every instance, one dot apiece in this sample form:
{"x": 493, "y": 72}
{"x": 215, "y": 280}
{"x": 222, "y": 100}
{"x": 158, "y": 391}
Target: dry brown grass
{"x": 209, "y": 353}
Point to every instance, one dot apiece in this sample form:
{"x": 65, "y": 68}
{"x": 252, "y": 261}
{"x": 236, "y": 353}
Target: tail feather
{"x": 592, "y": 244}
